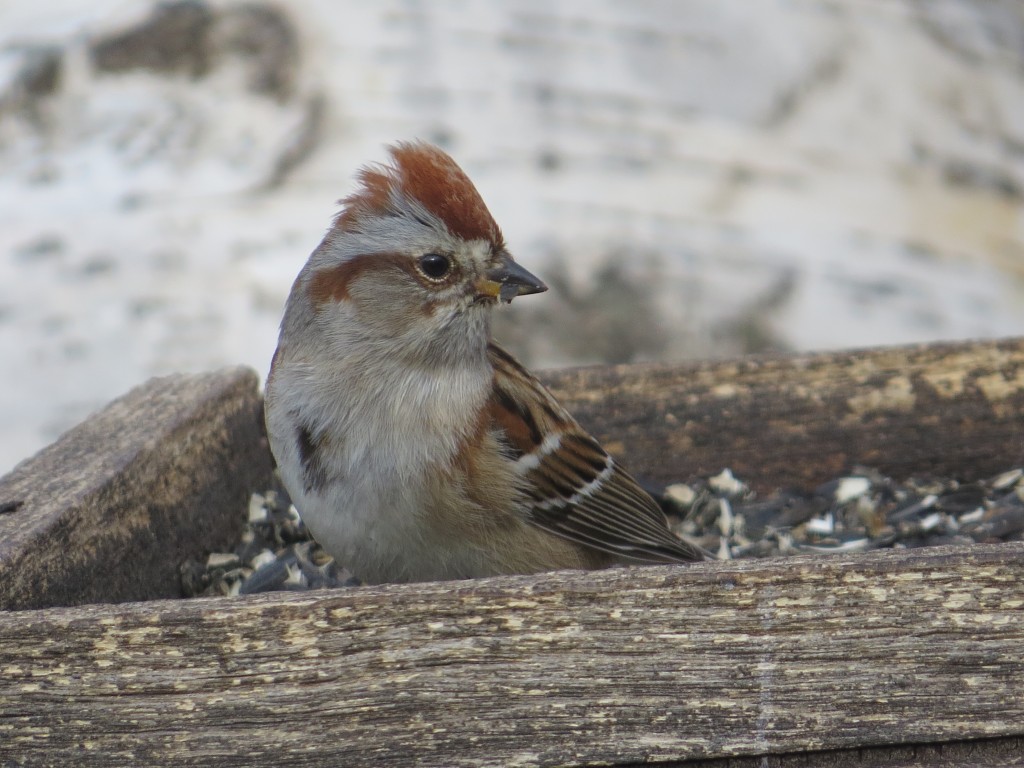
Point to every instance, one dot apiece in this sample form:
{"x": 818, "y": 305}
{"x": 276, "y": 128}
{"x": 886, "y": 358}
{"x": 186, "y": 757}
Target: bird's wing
{"x": 573, "y": 488}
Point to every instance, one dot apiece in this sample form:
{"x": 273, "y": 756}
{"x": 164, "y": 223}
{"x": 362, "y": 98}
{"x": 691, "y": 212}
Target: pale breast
{"x": 360, "y": 461}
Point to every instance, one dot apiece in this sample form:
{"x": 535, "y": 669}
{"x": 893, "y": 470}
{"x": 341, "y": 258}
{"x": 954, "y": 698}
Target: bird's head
{"x": 414, "y": 257}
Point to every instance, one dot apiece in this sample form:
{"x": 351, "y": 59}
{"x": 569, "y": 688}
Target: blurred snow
{"x": 771, "y": 175}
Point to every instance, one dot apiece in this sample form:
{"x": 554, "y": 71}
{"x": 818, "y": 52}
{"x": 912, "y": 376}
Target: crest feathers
{"x": 425, "y": 173}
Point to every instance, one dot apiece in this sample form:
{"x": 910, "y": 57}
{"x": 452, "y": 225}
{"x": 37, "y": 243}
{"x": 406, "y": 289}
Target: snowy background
{"x": 694, "y": 179}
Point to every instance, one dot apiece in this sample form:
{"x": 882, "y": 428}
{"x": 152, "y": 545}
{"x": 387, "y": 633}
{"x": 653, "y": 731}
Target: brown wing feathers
{"x": 574, "y": 488}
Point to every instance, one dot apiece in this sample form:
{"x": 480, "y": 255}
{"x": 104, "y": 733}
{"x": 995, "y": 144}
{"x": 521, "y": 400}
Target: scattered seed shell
{"x": 860, "y": 511}
{"x": 681, "y": 496}
{"x": 850, "y": 488}
{"x": 725, "y": 483}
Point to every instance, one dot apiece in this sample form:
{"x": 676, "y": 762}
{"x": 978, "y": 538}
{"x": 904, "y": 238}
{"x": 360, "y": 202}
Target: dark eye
{"x": 435, "y": 265}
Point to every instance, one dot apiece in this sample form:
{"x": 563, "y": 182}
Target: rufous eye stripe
{"x": 334, "y": 283}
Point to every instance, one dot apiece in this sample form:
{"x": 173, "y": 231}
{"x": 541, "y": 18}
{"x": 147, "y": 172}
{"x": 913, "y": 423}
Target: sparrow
{"x": 413, "y": 446}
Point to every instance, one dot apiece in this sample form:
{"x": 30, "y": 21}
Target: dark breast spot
{"x": 314, "y": 470}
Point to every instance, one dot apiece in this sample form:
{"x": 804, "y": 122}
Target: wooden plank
{"x": 990, "y": 753}
{"x": 952, "y": 409}
{"x": 667, "y": 663}
{"x": 111, "y": 510}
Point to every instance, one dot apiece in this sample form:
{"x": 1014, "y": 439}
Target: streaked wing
{"x": 575, "y": 489}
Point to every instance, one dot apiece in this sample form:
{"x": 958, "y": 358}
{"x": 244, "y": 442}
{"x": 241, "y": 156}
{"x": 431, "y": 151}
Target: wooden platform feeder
{"x": 911, "y": 657}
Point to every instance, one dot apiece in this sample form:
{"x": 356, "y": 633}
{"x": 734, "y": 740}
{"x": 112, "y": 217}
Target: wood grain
{"x": 111, "y": 510}
{"x": 888, "y": 658}
{"x": 952, "y": 409}
{"x": 648, "y": 664}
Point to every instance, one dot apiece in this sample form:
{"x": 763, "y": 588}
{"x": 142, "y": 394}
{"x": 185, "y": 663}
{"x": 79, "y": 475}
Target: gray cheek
{"x": 393, "y": 308}
{"x": 442, "y": 328}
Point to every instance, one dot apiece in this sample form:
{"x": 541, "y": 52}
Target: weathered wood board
{"x": 954, "y": 409}
{"x": 889, "y": 658}
{"x": 110, "y": 511}
{"x": 667, "y": 663}
{"x": 93, "y": 517}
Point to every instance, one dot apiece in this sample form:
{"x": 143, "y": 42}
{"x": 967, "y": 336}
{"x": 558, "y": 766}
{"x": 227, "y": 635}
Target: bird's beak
{"x": 508, "y": 280}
